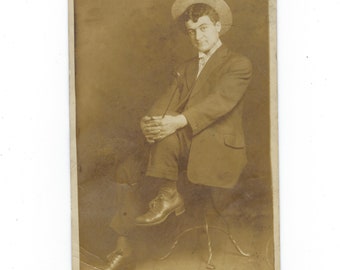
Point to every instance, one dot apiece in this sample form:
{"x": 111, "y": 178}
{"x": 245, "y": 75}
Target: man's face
{"x": 204, "y": 33}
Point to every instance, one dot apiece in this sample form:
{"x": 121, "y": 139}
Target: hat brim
{"x": 220, "y": 6}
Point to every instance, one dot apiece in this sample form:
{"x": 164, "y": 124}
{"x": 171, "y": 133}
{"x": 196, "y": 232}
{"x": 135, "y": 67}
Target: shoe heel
{"x": 180, "y": 210}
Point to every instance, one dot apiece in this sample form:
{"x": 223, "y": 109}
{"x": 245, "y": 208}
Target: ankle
{"x": 167, "y": 191}
{"x": 169, "y": 185}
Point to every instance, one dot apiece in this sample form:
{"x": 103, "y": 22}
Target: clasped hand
{"x": 156, "y": 128}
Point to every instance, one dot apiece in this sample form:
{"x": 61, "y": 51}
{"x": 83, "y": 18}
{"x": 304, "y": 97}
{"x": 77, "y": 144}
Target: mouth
{"x": 201, "y": 43}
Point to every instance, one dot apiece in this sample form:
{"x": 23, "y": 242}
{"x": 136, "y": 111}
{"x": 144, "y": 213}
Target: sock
{"x": 168, "y": 187}
{"x": 169, "y": 184}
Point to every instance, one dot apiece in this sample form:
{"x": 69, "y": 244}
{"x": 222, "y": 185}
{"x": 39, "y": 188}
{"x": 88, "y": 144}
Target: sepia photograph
{"x": 169, "y": 134}
{"x": 158, "y": 135}
{"x": 174, "y": 148}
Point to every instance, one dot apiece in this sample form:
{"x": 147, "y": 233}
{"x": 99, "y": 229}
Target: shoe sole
{"x": 178, "y": 211}
{"x": 129, "y": 266}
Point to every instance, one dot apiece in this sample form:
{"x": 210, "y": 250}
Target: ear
{"x": 218, "y": 26}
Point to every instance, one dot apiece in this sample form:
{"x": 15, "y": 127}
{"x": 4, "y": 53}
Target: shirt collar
{"x": 212, "y": 50}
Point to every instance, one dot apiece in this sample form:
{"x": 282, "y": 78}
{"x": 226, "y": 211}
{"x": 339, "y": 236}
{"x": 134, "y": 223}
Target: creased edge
{"x": 274, "y": 127}
{"x": 73, "y": 141}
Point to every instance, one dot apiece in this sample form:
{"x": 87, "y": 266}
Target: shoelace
{"x": 116, "y": 257}
{"x": 116, "y": 254}
{"x": 155, "y": 204}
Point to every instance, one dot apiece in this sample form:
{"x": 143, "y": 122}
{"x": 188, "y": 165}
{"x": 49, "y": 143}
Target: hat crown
{"x": 220, "y": 6}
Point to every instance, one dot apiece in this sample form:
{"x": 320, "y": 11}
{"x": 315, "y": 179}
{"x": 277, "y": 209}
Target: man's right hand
{"x": 157, "y": 128}
{"x": 150, "y": 128}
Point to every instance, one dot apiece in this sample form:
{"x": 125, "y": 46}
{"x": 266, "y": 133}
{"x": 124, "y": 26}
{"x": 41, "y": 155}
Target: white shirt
{"x": 203, "y": 58}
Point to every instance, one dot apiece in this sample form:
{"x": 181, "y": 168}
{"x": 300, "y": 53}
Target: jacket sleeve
{"x": 226, "y": 94}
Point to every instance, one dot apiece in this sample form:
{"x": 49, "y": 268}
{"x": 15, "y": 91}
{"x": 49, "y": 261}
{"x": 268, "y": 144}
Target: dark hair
{"x": 195, "y": 11}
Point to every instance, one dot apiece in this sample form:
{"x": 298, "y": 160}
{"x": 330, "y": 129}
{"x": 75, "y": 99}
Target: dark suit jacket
{"x": 212, "y": 104}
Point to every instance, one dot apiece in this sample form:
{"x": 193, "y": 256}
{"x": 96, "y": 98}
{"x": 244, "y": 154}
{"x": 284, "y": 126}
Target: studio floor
{"x": 192, "y": 250}
{"x": 248, "y": 221}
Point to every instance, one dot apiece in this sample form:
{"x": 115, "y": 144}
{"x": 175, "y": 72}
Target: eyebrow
{"x": 198, "y": 26}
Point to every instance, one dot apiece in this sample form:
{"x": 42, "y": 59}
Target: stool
{"x": 207, "y": 228}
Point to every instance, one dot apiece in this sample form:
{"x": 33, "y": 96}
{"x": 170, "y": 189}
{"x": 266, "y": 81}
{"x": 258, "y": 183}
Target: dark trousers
{"x": 170, "y": 156}
{"x": 166, "y": 159}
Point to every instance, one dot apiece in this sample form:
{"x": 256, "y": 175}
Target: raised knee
{"x": 169, "y": 142}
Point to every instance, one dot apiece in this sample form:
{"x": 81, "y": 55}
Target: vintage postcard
{"x": 174, "y": 148}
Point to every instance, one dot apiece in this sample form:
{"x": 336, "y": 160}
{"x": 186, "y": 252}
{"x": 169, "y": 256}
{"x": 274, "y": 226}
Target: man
{"x": 196, "y": 126}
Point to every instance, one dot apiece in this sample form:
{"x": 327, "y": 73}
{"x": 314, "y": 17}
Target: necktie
{"x": 201, "y": 63}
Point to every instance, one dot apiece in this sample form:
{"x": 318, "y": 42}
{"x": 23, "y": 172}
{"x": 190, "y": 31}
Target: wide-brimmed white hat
{"x": 220, "y": 6}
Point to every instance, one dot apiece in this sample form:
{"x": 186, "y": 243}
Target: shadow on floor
{"x": 248, "y": 220}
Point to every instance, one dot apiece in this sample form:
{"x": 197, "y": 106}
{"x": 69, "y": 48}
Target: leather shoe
{"x": 166, "y": 202}
{"x": 118, "y": 260}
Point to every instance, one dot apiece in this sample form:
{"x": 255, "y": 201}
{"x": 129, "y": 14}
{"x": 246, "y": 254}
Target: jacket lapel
{"x": 191, "y": 73}
{"x": 189, "y": 82}
{"x": 216, "y": 59}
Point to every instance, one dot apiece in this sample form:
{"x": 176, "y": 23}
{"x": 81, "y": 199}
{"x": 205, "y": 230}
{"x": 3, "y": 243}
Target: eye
{"x": 204, "y": 28}
{"x": 191, "y": 32}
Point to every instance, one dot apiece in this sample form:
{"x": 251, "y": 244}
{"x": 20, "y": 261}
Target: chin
{"x": 204, "y": 48}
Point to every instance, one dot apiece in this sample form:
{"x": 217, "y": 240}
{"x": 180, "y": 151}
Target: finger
{"x": 153, "y": 123}
{"x": 156, "y": 117}
{"x": 150, "y": 141}
{"x": 152, "y": 127}
{"x": 151, "y": 136}
{"x": 145, "y": 119}
{"x": 152, "y": 133}
{"x": 159, "y": 137}
{"x": 152, "y": 130}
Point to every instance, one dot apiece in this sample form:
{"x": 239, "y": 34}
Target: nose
{"x": 199, "y": 34}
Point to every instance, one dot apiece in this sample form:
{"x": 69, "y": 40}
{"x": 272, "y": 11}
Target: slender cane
{"x": 177, "y": 75}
